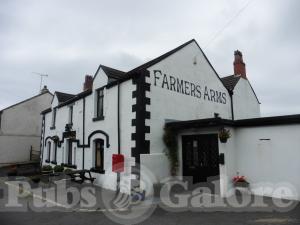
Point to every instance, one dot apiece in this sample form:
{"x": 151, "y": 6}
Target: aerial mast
{"x": 42, "y": 76}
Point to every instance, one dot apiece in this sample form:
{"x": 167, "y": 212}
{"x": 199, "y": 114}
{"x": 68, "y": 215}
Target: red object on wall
{"x": 118, "y": 163}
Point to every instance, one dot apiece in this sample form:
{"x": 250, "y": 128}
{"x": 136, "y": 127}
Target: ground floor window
{"x": 54, "y": 151}
{"x": 49, "y": 150}
{"x": 99, "y": 147}
{"x": 70, "y": 151}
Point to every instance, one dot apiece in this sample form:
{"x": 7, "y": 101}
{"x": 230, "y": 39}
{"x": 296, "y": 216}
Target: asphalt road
{"x": 158, "y": 217}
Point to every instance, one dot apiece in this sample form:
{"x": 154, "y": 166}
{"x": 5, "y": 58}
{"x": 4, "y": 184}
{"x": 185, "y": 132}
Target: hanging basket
{"x": 223, "y": 140}
{"x": 224, "y": 135}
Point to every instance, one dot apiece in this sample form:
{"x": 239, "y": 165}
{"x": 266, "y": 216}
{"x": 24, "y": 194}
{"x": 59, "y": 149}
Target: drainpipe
{"x": 83, "y": 132}
{"x": 43, "y": 139}
{"x": 119, "y": 138}
{"x": 231, "y": 102}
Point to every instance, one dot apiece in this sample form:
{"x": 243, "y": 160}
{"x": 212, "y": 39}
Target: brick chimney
{"x": 88, "y": 83}
{"x": 238, "y": 65}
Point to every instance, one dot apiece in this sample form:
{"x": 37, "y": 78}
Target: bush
{"x": 58, "y": 169}
{"x": 66, "y": 171}
{"x": 35, "y": 179}
{"x": 47, "y": 168}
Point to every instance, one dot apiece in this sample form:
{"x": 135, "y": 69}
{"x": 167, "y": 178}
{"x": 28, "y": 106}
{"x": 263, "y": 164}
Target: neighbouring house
{"x": 20, "y": 129}
{"x": 126, "y": 113}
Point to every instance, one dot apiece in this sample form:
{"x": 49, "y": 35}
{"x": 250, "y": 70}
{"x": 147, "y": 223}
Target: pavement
{"x": 51, "y": 212}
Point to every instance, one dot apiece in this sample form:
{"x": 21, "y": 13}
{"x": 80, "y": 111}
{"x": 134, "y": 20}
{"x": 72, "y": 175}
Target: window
{"x": 53, "y": 117}
{"x": 48, "y": 152}
{"x": 70, "y": 149}
{"x": 71, "y": 114}
{"x": 0, "y": 119}
{"x": 99, "y": 146}
{"x": 54, "y": 152}
{"x": 99, "y": 103}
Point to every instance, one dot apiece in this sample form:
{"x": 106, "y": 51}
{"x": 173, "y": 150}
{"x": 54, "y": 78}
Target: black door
{"x": 200, "y": 154}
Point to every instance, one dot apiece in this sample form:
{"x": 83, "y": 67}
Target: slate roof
{"x": 230, "y": 81}
{"x": 112, "y": 73}
{"x": 253, "y": 122}
{"x": 160, "y": 58}
{"x": 63, "y": 97}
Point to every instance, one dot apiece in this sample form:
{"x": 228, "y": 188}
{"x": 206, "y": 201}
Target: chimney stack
{"x": 88, "y": 83}
{"x": 238, "y": 65}
{"x": 44, "y": 90}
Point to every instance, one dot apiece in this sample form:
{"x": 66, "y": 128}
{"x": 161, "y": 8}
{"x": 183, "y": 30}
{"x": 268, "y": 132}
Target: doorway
{"x": 200, "y": 157}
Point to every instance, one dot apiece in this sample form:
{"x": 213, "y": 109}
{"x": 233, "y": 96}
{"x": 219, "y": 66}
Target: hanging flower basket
{"x": 224, "y": 135}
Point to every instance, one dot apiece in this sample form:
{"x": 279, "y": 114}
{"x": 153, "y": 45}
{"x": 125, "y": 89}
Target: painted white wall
{"x": 267, "y": 164}
{"x": 21, "y": 129}
{"x": 108, "y": 125}
{"x": 245, "y": 103}
{"x": 190, "y": 65}
{"x": 272, "y": 162}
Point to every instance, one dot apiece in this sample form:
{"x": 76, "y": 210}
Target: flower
{"x": 239, "y": 179}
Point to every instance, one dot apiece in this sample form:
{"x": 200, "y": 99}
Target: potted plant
{"x": 240, "y": 183}
{"x": 47, "y": 169}
{"x": 224, "y": 134}
{"x": 58, "y": 169}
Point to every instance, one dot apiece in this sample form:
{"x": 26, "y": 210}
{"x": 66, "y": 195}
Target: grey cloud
{"x": 68, "y": 39}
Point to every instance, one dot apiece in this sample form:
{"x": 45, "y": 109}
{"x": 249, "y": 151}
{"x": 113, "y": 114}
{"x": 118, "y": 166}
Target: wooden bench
{"x": 79, "y": 176}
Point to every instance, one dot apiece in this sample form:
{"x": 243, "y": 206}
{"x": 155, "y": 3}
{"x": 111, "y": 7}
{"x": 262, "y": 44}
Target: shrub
{"x": 35, "y": 179}
{"x": 47, "y": 168}
{"x": 170, "y": 140}
{"x": 66, "y": 171}
{"x": 58, "y": 169}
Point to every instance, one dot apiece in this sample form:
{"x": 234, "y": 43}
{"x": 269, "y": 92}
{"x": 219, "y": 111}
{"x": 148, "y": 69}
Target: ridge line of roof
{"x": 28, "y": 99}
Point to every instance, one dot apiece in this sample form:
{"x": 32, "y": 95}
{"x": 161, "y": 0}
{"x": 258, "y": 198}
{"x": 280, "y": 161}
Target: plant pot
{"x": 241, "y": 184}
{"x": 223, "y": 140}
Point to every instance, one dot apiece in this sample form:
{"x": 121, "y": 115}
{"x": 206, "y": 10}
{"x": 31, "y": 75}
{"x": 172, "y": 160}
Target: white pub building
{"x": 126, "y": 113}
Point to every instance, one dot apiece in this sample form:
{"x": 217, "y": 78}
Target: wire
{"x": 228, "y": 23}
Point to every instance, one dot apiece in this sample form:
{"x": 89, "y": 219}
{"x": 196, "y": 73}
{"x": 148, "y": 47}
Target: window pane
{"x": 99, "y": 103}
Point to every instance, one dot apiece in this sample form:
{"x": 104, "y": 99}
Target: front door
{"x": 200, "y": 154}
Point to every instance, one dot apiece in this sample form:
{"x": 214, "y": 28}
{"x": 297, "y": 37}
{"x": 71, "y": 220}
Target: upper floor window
{"x": 70, "y": 114}
{"x": 99, "y": 104}
{"x": 0, "y": 119}
{"x": 53, "y": 117}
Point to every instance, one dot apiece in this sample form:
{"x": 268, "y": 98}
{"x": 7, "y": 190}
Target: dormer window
{"x": 99, "y": 104}
{"x": 70, "y": 114}
{"x": 53, "y": 118}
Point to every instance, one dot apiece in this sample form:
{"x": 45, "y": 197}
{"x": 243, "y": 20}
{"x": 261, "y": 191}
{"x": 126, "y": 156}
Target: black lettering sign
{"x": 188, "y": 88}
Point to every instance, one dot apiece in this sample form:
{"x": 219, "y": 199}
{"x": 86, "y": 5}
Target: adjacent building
{"x": 20, "y": 128}
{"x": 126, "y": 113}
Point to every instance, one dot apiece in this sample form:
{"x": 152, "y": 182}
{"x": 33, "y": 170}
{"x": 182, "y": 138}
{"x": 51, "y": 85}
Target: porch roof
{"x": 217, "y": 121}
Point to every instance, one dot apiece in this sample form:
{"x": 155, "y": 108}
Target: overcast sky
{"x": 70, "y": 38}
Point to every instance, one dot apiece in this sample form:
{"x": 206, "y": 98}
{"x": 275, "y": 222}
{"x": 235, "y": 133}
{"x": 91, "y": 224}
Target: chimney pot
{"x": 239, "y": 66}
{"x": 88, "y": 83}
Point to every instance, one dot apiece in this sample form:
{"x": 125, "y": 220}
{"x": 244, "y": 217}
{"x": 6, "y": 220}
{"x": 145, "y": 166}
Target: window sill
{"x": 97, "y": 170}
{"x": 47, "y": 161}
{"x": 69, "y": 166}
{"x": 54, "y": 162}
{"x": 52, "y": 128}
{"x": 98, "y": 118}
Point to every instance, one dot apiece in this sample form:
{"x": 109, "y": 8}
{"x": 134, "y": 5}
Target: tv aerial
{"x": 42, "y": 76}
